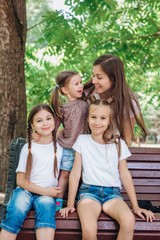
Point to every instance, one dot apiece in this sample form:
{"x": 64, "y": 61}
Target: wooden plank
{"x": 147, "y": 150}
{"x": 146, "y": 166}
{"x": 26, "y": 235}
{"x": 146, "y": 182}
{"x": 145, "y": 174}
{"x": 143, "y": 196}
{"x": 145, "y": 189}
{"x": 144, "y": 158}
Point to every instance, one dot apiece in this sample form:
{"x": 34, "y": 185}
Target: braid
{"x": 55, "y": 152}
{"x": 29, "y": 158}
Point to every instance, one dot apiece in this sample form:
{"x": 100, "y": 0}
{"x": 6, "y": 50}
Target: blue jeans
{"x": 20, "y": 204}
{"x": 98, "y": 193}
{"x": 67, "y": 159}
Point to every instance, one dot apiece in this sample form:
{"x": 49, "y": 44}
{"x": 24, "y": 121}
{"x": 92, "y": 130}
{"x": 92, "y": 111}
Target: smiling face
{"x": 101, "y": 80}
{"x": 98, "y": 119}
{"x": 74, "y": 88}
{"x": 43, "y": 123}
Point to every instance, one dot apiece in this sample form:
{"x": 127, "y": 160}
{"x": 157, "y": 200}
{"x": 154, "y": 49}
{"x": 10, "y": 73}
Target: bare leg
{"x": 5, "y": 235}
{"x": 45, "y": 233}
{"x": 118, "y": 209}
{"x": 62, "y": 182}
{"x": 89, "y": 211}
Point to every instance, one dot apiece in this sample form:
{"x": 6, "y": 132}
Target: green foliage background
{"x": 59, "y": 40}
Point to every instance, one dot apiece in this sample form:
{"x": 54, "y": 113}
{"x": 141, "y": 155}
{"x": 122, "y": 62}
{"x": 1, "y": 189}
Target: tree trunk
{"x": 12, "y": 79}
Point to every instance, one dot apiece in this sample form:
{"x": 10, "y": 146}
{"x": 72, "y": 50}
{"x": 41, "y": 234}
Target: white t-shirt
{"x": 100, "y": 161}
{"x": 42, "y": 173}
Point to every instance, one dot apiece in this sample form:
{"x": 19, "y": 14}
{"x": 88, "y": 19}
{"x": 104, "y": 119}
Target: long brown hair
{"x": 121, "y": 94}
{"x": 109, "y": 135}
{"x": 62, "y": 80}
{"x": 34, "y": 111}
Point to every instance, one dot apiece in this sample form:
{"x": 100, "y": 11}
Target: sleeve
{"x": 77, "y": 145}
{"x": 125, "y": 153}
{"x": 23, "y": 159}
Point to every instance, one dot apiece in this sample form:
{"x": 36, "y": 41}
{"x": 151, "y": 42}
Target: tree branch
{"x": 129, "y": 39}
{"x": 28, "y": 29}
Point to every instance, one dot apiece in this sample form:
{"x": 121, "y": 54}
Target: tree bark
{"x": 12, "y": 79}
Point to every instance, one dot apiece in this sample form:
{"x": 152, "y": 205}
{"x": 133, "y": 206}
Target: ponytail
{"x": 55, "y": 153}
{"x": 55, "y": 103}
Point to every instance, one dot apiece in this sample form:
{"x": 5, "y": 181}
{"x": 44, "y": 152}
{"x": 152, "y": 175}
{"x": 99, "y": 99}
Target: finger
{"x": 147, "y": 217}
{"x": 150, "y": 218}
{"x": 140, "y": 215}
{"x": 67, "y": 213}
{"x": 59, "y": 191}
{"x": 73, "y": 210}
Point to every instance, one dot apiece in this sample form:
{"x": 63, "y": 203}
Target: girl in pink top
{"x": 72, "y": 115}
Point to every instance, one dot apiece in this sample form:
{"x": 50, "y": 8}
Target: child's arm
{"x": 31, "y": 187}
{"x": 128, "y": 185}
{"x": 73, "y": 185}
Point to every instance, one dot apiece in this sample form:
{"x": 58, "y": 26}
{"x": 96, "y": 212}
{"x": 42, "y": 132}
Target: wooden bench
{"x": 144, "y": 165}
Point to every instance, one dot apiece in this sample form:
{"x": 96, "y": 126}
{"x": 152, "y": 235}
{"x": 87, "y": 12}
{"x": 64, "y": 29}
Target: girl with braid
{"x": 37, "y": 177}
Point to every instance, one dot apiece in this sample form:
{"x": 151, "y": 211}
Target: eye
{"x": 99, "y": 78}
{"x": 93, "y": 116}
{"x": 49, "y": 118}
{"x": 38, "y": 121}
{"x": 103, "y": 118}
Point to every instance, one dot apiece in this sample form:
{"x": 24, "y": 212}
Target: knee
{"x": 64, "y": 174}
{"x": 128, "y": 223}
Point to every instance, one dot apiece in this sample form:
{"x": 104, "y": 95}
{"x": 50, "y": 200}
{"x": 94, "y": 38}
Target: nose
{"x": 45, "y": 122}
{"x": 97, "y": 121}
{"x": 81, "y": 85}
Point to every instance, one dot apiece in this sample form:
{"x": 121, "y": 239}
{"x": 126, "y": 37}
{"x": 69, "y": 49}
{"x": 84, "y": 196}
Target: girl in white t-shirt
{"x": 101, "y": 156}
{"x": 37, "y": 177}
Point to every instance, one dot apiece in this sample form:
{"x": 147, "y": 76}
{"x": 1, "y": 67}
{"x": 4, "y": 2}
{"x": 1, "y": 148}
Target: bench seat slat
{"x": 146, "y": 182}
{"x": 142, "y": 196}
{"x": 146, "y": 165}
{"x": 144, "y": 158}
{"x": 145, "y": 174}
{"x": 137, "y": 150}
{"x": 146, "y": 189}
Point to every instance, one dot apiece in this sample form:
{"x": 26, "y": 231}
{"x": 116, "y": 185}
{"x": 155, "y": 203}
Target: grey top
{"x": 74, "y": 115}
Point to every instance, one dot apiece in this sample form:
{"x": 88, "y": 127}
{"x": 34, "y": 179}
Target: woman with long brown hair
{"x": 108, "y": 82}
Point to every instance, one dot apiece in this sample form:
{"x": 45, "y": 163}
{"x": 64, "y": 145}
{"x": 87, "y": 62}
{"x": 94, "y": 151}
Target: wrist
{"x": 135, "y": 208}
{"x": 70, "y": 205}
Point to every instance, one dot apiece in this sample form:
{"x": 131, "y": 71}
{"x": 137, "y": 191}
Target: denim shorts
{"x": 67, "y": 159}
{"x": 98, "y": 193}
{"x": 20, "y": 204}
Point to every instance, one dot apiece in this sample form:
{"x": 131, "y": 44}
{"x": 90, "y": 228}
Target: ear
{"x": 32, "y": 126}
{"x": 64, "y": 90}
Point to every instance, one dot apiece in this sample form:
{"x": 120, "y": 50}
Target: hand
{"x": 64, "y": 211}
{"x": 54, "y": 191}
{"x": 36, "y": 136}
{"x": 148, "y": 214}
